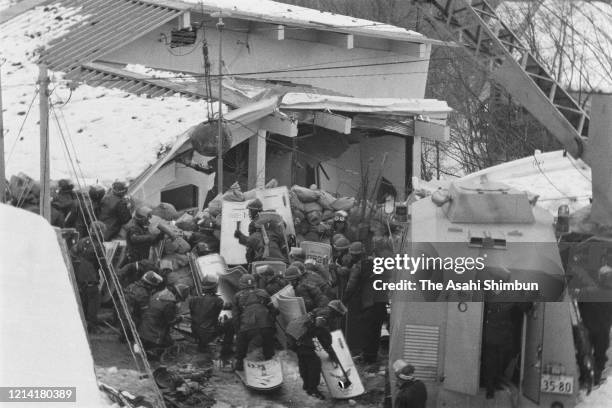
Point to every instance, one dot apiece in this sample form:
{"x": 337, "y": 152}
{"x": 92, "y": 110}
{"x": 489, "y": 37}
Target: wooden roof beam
{"x": 280, "y": 124}
{"x": 271, "y": 31}
{"x": 346, "y": 41}
{"x": 410, "y": 49}
{"x": 184, "y": 20}
{"x": 332, "y": 121}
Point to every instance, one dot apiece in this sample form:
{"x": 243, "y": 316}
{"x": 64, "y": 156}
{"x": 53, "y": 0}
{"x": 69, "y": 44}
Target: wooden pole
{"x": 2, "y": 171}
{"x": 437, "y": 160}
{"x": 220, "y": 25}
{"x": 257, "y": 160}
{"x": 45, "y": 193}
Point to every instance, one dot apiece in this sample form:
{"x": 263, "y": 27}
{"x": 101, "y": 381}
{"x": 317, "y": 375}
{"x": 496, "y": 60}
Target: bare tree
{"x": 487, "y": 127}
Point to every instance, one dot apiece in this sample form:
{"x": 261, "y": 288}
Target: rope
{"x": 122, "y": 307}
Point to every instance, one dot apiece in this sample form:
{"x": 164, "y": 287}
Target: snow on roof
{"x": 584, "y": 28}
{"x": 555, "y": 177}
{"x": 287, "y": 14}
{"x": 115, "y": 135}
{"x": 351, "y": 104}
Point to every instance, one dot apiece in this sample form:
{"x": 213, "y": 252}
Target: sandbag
{"x": 186, "y": 222}
{"x": 295, "y": 202}
{"x": 314, "y": 217}
{"x": 273, "y": 183}
{"x": 176, "y": 246}
{"x": 343, "y": 203}
{"x": 234, "y": 193}
{"x": 298, "y": 216}
{"x": 327, "y": 215}
{"x": 326, "y": 200}
{"x": 165, "y": 211}
{"x": 156, "y": 221}
{"x": 250, "y": 195}
{"x": 304, "y": 194}
{"x": 215, "y": 206}
{"x": 310, "y": 207}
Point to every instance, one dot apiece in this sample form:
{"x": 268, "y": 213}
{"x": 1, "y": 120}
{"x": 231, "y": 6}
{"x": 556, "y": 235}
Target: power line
{"x": 197, "y": 76}
{"x": 21, "y": 128}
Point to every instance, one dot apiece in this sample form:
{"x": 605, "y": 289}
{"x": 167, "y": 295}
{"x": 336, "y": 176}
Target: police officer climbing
{"x": 115, "y": 210}
{"x": 138, "y": 238}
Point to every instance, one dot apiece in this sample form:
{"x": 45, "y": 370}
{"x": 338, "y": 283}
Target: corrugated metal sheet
{"x": 93, "y": 75}
{"x": 421, "y": 350}
{"x": 107, "y": 26}
{"x": 404, "y": 127}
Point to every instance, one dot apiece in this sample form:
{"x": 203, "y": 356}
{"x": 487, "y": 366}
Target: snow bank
{"x": 42, "y": 337}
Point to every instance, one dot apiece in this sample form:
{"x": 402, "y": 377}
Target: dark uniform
{"x": 256, "y": 246}
{"x": 137, "y": 297}
{"x": 65, "y": 201}
{"x": 133, "y": 271}
{"x": 114, "y": 212}
{"x": 252, "y": 313}
{"x": 595, "y": 304}
{"x": 411, "y": 394}
{"x": 501, "y": 320}
{"x": 311, "y": 294}
{"x": 86, "y": 267}
{"x": 205, "y": 312}
{"x": 157, "y": 320}
{"x": 88, "y": 210}
{"x": 369, "y": 305}
{"x": 317, "y": 324}
{"x": 207, "y": 237}
{"x": 272, "y": 282}
{"x": 139, "y": 241}
{"x": 316, "y": 279}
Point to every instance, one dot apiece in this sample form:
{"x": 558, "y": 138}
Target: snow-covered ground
{"x": 115, "y": 135}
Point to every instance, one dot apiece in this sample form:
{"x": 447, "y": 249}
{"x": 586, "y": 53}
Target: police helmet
{"x": 255, "y": 205}
{"x": 338, "y": 306}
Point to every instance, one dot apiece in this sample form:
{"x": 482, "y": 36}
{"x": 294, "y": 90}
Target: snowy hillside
{"x": 115, "y": 135}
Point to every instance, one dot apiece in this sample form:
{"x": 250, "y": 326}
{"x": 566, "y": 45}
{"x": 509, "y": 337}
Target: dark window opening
{"x": 181, "y": 197}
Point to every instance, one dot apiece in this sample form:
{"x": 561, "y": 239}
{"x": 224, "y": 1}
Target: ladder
{"x": 476, "y": 26}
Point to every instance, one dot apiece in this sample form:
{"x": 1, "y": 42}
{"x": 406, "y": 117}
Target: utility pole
{"x": 220, "y": 26}
{"x": 45, "y": 193}
{"x": 2, "y": 171}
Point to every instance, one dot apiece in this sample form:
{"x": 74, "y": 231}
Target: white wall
{"x": 171, "y": 176}
{"x": 264, "y": 54}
